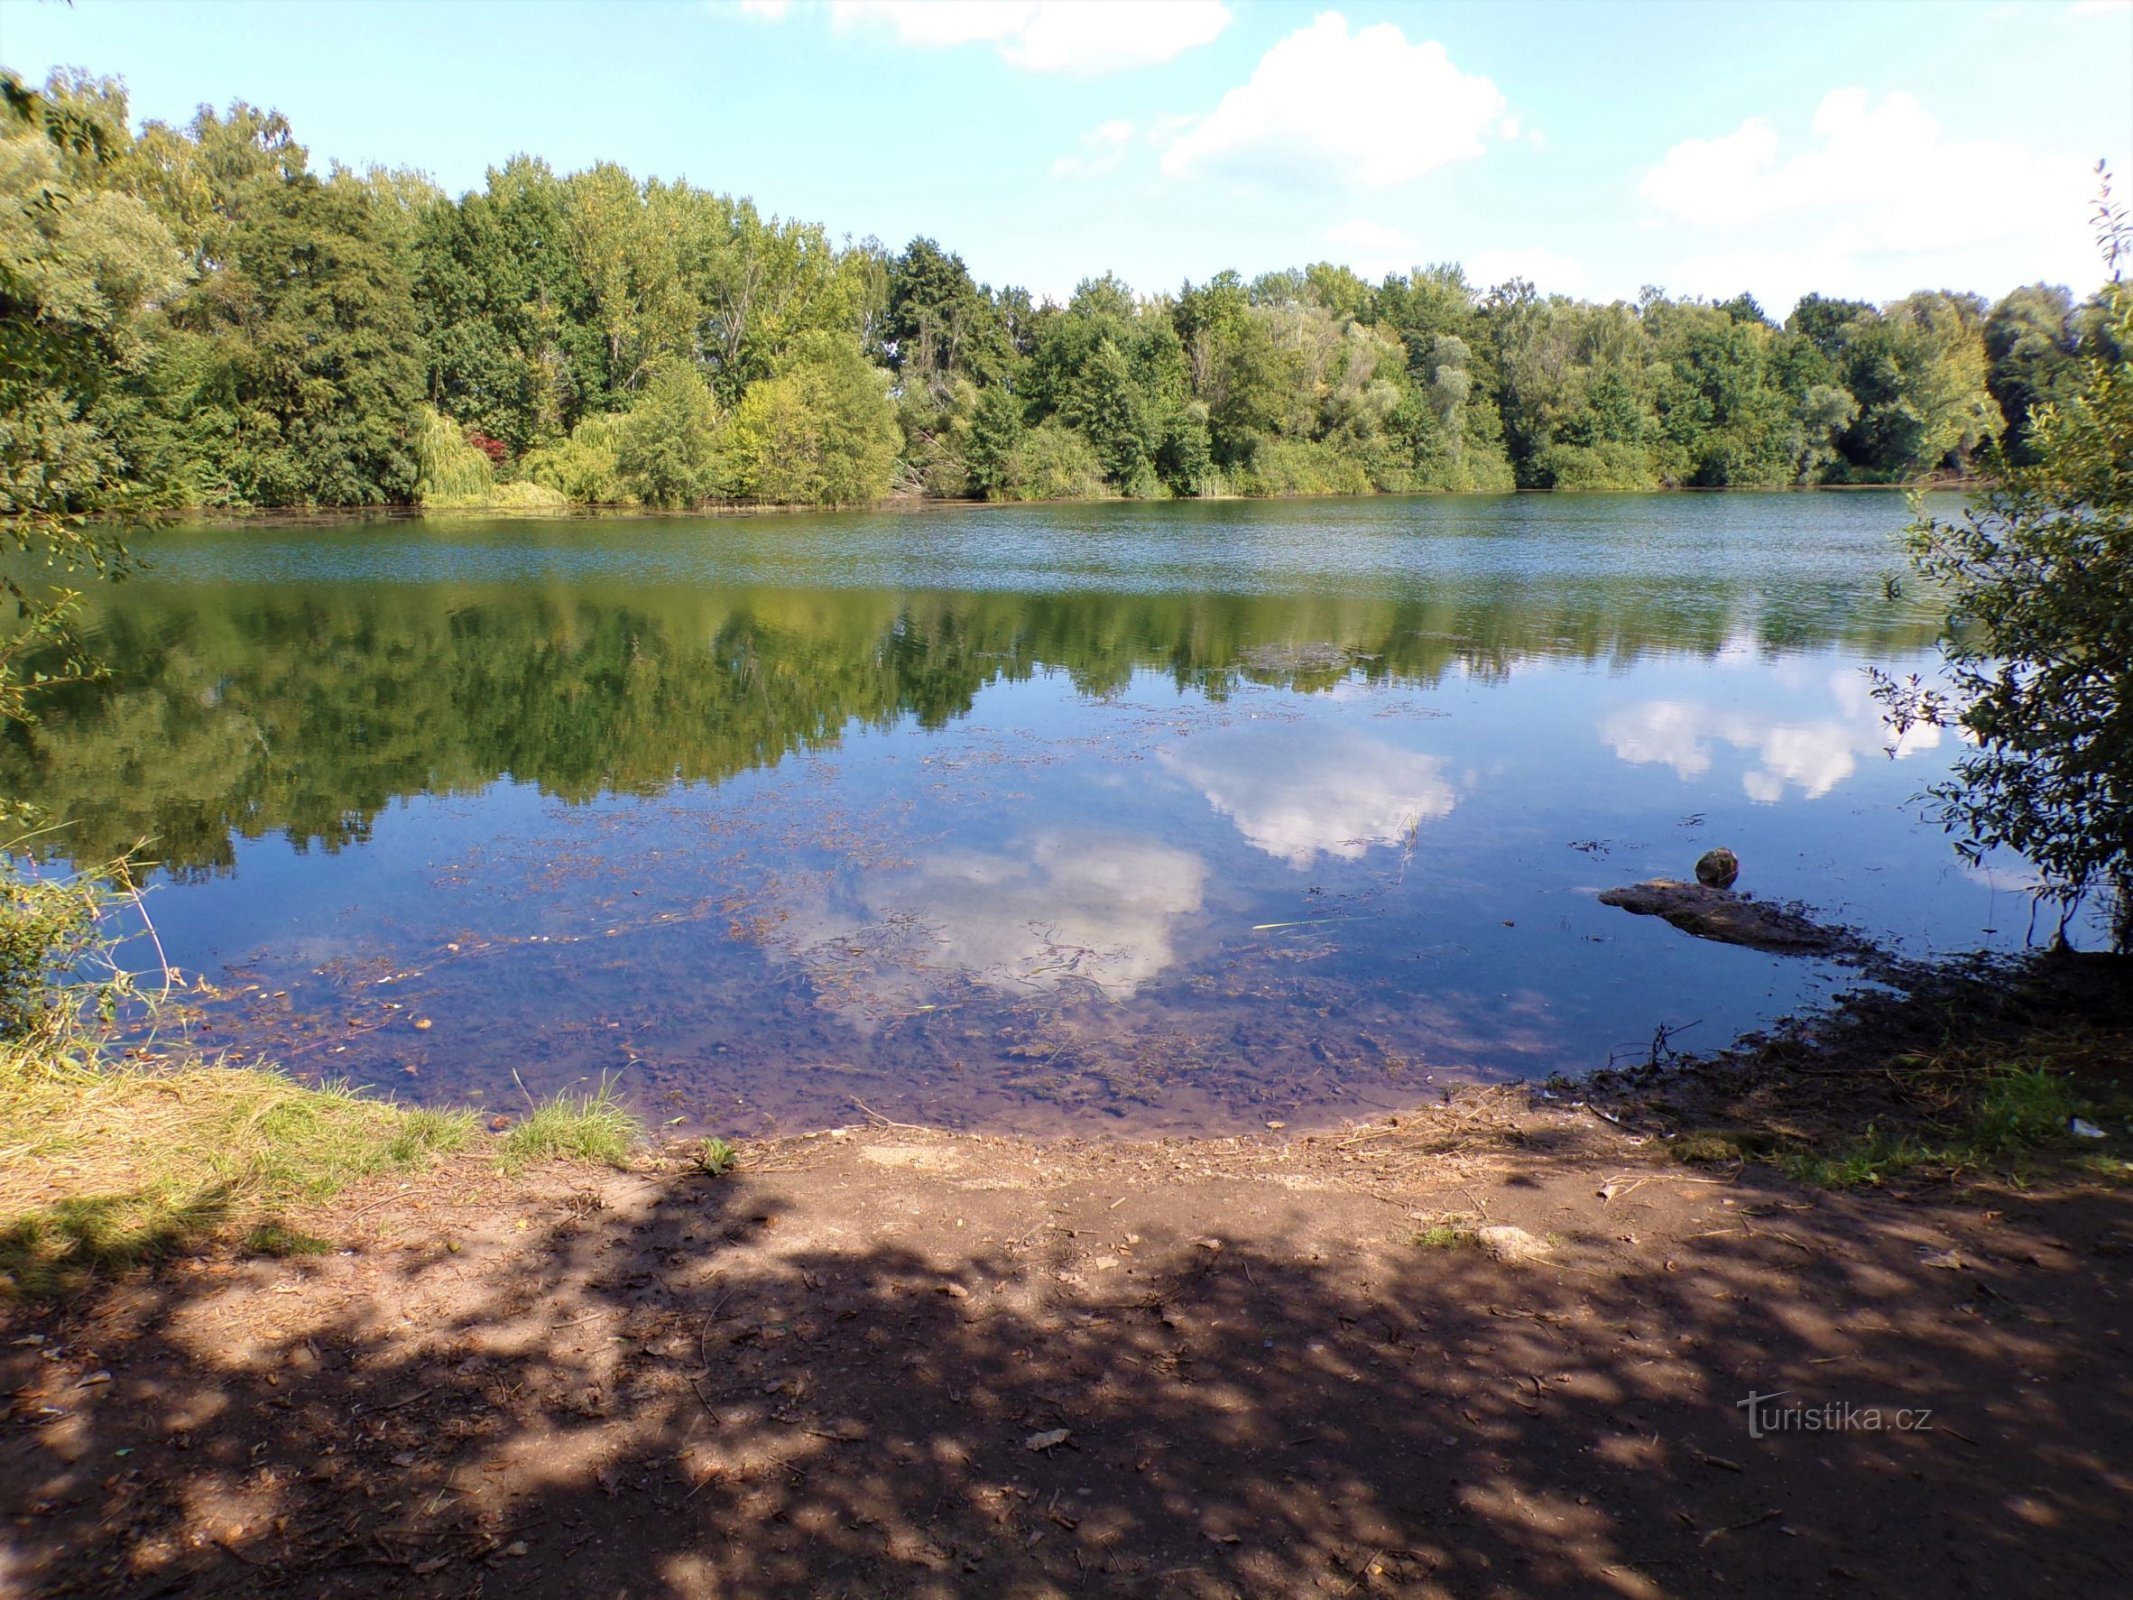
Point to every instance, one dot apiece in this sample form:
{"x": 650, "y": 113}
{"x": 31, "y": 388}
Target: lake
{"x": 1178, "y": 817}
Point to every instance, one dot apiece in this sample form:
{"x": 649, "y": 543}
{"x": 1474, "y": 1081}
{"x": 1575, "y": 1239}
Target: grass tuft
{"x": 1867, "y": 1162}
{"x": 1447, "y": 1236}
{"x": 716, "y": 1157}
{"x": 2005, "y": 1113}
{"x": 2022, "y": 1107}
{"x": 573, "y": 1127}
{"x": 276, "y": 1238}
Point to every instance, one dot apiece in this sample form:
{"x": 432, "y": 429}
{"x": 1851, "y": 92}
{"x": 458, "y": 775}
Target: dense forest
{"x": 194, "y": 317}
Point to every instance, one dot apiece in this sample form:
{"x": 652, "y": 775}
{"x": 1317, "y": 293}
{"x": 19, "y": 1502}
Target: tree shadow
{"x": 671, "y": 1389}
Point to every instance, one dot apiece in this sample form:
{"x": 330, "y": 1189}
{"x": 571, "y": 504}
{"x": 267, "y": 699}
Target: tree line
{"x": 193, "y": 317}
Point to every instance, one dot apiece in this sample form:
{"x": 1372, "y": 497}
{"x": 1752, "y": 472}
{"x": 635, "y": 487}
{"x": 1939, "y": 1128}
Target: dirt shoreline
{"x": 898, "y": 1362}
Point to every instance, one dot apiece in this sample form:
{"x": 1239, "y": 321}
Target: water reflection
{"x": 1196, "y": 816}
{"x": 1069, "y": 907}
{"x": 1810, "y": 755}
{"x": 1302, "y": 793}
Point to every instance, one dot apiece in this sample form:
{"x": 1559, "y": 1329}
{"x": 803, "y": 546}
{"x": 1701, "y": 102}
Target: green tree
{"x": 1106, "y": 407}
{"x": 2039, "y": 644}
{"x": 1723, "y": 417}
{"x": 2032, "y": 349}
{"x": 991, "y": 436}
{"x": 667, "y": 446}
{"x": 1917, "y": 371}
{"x": 79, "y": 265}
{"x": 505, "y": 312}
{"x": 940, "y": 324}
{"x": 290, "y": 369}
{"x": 822, "y": 432}
{"x": 585, "y": 469}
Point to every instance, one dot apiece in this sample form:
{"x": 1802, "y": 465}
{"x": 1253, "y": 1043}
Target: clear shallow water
{"x": 1154, "y": 816}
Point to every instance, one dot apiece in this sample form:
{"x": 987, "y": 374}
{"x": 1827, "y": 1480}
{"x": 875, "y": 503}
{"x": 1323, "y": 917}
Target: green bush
{"x": 1052, "y": 462}
{"x": 584, "y": 468}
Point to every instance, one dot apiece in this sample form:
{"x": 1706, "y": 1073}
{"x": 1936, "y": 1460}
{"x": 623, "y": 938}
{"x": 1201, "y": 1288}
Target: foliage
{"x": 584, "y": 469}
{"x": 1051, "y": 462}
{"x": 2038, "y": 650}
{"x": 195, "y": 317}
{"x": 450, "y": 471}
{"x": 51, "y": 939}
{"x": 80, "y": 264}
{"x": 667, "y": 447}
{"x": 822, "y": 432}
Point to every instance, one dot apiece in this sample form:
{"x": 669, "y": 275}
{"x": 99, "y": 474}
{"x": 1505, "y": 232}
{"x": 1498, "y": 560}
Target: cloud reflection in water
{"x": 1301, "y": 792}
{"x": 1812, "y": 755}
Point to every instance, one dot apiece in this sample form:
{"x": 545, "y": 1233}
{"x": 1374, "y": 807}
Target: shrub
{"x": 1052, "y": 462}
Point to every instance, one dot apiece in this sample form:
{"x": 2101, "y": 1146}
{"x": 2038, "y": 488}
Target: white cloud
{"x": 1374, "y": 248}
{"x": 768, "y": 10}
{"x": 1367, "y": 110}
{"x": 1549, "y": 271}
{"x": 1046, "y": 35}
{"x": 1101, "y": 150}
{"x": 1873, "y": 183}
{"x": 2102, "y": 8}
{"x": 1299, "y": 794}
{"x": 1363, "y": 234}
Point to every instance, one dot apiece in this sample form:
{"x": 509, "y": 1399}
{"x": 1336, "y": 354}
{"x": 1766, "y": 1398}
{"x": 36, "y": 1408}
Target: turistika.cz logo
{"x": 1766, "y": 1416}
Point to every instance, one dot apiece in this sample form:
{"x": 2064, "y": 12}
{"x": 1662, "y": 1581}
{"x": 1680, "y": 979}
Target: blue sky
{"x": 1856, "y": 149}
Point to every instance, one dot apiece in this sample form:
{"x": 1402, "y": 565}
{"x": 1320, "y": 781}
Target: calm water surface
{"x": 1143, "y": 816}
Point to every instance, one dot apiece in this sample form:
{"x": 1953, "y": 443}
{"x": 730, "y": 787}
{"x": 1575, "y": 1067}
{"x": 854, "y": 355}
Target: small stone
{"x": 1716, "y": 869}
{"x": 1507, "y": 1243}
{"x": 1050, "y": 1439}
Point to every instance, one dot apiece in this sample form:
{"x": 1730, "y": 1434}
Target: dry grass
{"x": 100, "y": 1169}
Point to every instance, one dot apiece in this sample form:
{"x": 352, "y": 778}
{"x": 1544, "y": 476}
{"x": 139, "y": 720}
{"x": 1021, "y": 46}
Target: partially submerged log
{"x": 1729, "y": 918}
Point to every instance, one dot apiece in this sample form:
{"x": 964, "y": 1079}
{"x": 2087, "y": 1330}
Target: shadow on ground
{"x": 812, "y": 1383}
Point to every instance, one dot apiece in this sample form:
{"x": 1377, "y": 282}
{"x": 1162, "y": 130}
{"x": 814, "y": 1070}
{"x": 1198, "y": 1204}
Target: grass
{"x": 105, "y": 1163}
{"x": 1866, "y": 1162}
{"x": 103, "y": 1168}
{"x": 595, "y": 1126}
{"x": 1448, "y": 1233}
{"x": 1711, "y": 1146}
{"x": 1991, "y": 1113}
{"x": 106, "y": 1167}
{"x": 716, "y": 1157}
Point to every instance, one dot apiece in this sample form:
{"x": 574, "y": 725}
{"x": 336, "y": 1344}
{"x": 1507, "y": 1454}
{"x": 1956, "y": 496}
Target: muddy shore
{"x": 891, "y": 1361}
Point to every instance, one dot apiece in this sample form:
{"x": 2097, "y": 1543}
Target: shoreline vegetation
{"x": 219, "y": 328}
{"x": 1955, "y": 1076}
{"x": 336, "y": 516}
